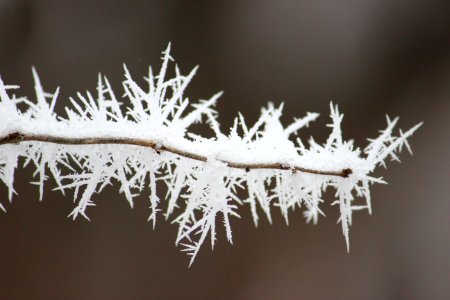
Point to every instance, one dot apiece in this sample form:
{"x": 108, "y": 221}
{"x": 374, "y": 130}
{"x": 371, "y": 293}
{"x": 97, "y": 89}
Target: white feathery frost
{"x": 207, "y": 179}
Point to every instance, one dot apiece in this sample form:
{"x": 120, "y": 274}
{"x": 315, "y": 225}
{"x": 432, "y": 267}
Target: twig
{"x": 17, "y": 137}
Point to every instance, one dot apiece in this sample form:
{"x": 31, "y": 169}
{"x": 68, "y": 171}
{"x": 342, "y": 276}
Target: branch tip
{"x": 346, "y": 173}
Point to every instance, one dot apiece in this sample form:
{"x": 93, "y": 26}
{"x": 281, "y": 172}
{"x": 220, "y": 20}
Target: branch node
{"x": 12, "y": 138}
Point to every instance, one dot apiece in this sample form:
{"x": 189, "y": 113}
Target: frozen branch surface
{"x": 146, "y": 139}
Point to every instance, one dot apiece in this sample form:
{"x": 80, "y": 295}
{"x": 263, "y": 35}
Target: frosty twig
{"x": 102, "y": 139}
{"x": 16, "y": 137}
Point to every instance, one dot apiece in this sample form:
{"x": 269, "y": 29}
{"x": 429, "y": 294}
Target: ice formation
{"x": 145, "y": 139}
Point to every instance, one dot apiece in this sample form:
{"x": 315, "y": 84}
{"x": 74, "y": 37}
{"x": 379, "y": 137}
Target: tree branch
{"x": 17, "y": 137}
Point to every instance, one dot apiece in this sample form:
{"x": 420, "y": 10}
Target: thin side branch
{"x": 17, "y": 137}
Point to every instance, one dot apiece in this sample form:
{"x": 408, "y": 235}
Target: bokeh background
{"x": 371, "y": 57}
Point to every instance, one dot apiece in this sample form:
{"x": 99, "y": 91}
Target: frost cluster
{"x": 207, "y": 178}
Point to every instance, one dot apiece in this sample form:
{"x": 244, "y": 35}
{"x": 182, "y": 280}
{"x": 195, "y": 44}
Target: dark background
{"x": 370, "y": 57}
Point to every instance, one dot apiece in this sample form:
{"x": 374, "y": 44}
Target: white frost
{"x": 198, "y": 192}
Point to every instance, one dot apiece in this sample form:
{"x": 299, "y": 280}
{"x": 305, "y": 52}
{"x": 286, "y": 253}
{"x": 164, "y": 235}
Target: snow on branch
{"x": 145, "y": 139}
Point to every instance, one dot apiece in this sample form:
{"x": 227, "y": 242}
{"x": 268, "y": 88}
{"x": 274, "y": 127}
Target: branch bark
{"x": 18, "y": 137}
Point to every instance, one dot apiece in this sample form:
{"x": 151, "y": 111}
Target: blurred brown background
{"x": 370, "y": 57}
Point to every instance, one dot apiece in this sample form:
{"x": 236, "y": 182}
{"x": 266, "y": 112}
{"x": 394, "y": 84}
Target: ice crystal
{"x": 89, "y": 148}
